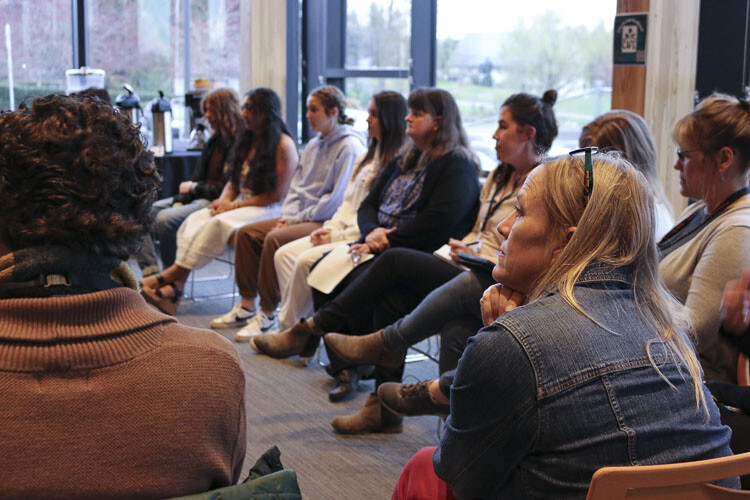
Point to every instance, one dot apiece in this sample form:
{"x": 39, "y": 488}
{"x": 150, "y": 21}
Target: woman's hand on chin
{"x": 498, "y": 300}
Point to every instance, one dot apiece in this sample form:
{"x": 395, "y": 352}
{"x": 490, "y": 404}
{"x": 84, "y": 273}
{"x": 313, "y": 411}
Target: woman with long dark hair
{"x": 316, "y": 191}
{"x": 423, "y": 198}
{"x": 262, "y": 163}
{"x": 402, "y": 279}
{"x": 386, "y": 132}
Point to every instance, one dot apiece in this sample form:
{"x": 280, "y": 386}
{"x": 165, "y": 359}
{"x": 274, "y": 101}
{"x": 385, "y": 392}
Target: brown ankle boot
{"x": 373, "y": 417}
{"x": 364, "y": 350}
{"x": 303, "y": 339}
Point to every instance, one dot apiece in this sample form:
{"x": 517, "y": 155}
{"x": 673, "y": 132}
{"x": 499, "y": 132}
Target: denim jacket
{"x": 544, "y": 397}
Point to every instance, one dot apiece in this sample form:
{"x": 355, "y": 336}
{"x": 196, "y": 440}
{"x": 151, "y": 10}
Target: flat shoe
{"x": 159, "y": 279}
{"x": 166, "y": 305}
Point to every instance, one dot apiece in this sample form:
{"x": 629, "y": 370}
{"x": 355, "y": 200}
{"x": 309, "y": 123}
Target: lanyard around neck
{"x": 673, "y": 237}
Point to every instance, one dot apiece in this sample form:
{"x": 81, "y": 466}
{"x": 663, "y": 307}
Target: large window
{"x": 40, "y": 48}
{"x": 142, "y": 43}
{"x": 366, "y": 46}
{"x": 378, "y": 37}
{"x": 531, "y": 46}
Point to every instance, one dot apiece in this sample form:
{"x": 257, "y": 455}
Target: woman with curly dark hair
{"x": 263, "y": 163}
{"x": 103, "y": 383}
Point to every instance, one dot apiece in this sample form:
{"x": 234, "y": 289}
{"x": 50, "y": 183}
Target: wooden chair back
{"x": 685, "y": 481}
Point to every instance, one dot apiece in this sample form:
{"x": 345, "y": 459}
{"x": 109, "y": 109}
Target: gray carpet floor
{"x": 287, "y": 406}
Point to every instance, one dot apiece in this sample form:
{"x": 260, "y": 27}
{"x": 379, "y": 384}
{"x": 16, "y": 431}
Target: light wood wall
{"x": 663, "y": 90}
{"x": 263, "y": 48}
{"x": 671, "y": 57}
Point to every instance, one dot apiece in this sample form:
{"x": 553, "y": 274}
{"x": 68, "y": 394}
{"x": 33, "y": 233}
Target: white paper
{"x": 333, "y": 268}
{"x": 444, "y": 253}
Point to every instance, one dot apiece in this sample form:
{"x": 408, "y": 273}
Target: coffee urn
{"x": 129, "y": 104}
{"x": 161, "y": 112}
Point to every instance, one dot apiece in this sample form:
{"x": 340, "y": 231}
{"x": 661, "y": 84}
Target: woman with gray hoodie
{"x": 316, "y": 191}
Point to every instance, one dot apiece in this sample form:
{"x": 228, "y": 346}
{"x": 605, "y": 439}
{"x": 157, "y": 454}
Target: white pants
{"x": 203, "y": 236}
{"x": 293, "y": 262}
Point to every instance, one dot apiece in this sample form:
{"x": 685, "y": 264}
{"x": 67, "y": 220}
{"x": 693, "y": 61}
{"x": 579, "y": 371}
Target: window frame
{"x": 324, "y": 51}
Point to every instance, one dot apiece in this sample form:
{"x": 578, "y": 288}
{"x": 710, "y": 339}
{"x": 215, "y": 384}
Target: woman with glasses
{"x": 263, "y": 162}
{"x": 709, "y": 244}
{"x": 596, "y": 369}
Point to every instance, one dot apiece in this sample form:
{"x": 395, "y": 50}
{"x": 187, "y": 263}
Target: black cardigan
{"x": 446, "y": 208}
{"x": 202, "y": 189}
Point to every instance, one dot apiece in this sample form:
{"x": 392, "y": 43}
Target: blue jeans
{"x": 451, "y": 310}
{"x": 168, "y": 221}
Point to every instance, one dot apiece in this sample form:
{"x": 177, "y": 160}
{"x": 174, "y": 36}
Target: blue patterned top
{"x": 400, "y": 198}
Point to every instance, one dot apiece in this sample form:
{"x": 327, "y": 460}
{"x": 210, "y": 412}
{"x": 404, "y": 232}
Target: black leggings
{"x": 382, "y": 290}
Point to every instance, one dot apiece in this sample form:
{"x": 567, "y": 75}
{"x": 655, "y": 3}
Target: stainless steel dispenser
{"x": 161, "y": 112}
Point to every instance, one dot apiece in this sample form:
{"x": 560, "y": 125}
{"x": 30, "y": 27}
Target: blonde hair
{"x": 719, "y": 120}
{"x": 628, "y": 133}
{"x": 614, "y": 227}
{"x": 225, "y": 103}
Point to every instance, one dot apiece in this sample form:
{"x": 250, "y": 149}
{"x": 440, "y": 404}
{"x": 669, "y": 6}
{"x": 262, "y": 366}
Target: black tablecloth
{"x": 176, "y": 167}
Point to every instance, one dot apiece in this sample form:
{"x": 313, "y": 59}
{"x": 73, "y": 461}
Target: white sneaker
{"x": 238, "y": 316}
{"x": 260, "y": 324}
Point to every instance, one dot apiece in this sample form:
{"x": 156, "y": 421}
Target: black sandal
{"x": 167, "y": 305}
{"x": 159, "y": 279}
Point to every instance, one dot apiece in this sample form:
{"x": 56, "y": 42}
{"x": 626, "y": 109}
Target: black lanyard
{"x": 673, "y": 237}
{"x": 494, "y": 206}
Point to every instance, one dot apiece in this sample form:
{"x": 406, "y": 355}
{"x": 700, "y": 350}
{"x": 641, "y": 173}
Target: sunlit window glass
{"x": 531, "y": 46}
{"x": 40, "y": 48}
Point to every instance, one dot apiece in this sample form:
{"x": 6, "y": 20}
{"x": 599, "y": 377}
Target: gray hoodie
{"x": 318, "y": 185}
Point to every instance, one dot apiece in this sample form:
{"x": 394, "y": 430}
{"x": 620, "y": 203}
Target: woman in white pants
{"x": 386, "y": 128}
{"x": 263, "y": 162}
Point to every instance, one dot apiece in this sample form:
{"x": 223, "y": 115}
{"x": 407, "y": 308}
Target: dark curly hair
{"x": 74, "y": 172}
{"x": 262, "y": 175}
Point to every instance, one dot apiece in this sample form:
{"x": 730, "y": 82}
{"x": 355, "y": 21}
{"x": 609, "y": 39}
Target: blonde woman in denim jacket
{"x": 596, "y": 368}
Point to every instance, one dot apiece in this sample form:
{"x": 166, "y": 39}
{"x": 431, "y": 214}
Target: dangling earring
{"x": 721, "y": 178}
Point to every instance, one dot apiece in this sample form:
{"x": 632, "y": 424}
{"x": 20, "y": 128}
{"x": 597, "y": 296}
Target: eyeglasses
{"x": 681, "y": 154}
{"x": 588, "y": 170}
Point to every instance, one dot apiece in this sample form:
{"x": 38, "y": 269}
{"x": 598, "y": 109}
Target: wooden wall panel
{"x": 268, "y": 46}
{"x": 662, "y": 91}
{"x": 671, "y": 58}
{"x": 629, "y": 82}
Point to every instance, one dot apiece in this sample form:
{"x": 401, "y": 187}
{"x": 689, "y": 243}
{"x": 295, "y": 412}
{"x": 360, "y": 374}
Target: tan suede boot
{"x": 373, "y": 417}
{"x": 303, "y": 339}
{"x": 364, "y": 350}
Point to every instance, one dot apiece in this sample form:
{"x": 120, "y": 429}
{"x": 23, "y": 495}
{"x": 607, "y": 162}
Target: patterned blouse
{"x": 400, "y": 198}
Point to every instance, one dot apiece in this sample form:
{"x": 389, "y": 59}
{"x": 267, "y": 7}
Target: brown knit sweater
{"x": 101, "y": 397}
